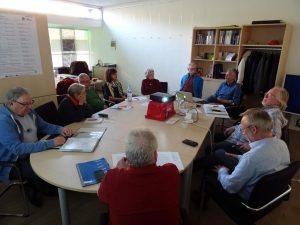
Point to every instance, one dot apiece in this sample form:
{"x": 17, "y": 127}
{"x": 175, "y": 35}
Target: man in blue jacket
{"x": 192, "y": 82}
{"x": 19, "y": 126}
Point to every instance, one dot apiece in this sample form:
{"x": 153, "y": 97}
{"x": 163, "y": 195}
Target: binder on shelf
{"x": 87, "y": 171}
{"x": 84, "y": 140}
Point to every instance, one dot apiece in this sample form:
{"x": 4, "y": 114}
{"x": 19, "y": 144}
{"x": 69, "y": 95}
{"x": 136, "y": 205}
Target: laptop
{"x": 188, "y": 97}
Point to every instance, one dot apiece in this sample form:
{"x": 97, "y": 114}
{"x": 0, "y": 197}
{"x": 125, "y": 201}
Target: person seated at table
{"x": 138, "y": 191}
{"x": 150, "y": 85}
{"x": 192, "y": 82}
{"x": 274, "y": 102}
{"x": 73, "y": 107}
{"x": 112, "y": 89}
{"x": 240, "y": 173}
{"x": 229, "y": 92}
{"x": 92, "y": 98}
{"x": 19, "y": 126}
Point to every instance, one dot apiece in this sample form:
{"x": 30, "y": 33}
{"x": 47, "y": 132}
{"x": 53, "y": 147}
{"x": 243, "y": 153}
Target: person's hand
{"x": 123, "y": 163}
{"x": 218, "y": 167}
{"x": 231, "y": 155}
{"x": 58, "y": 141}
{"x": 229, "y": 131}
{"x": 66, "y": 132}
{"x": 81, "y": 99}
{"x": 245, "y": 147}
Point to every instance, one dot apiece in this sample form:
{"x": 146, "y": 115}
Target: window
{"x": 69, "y": 45}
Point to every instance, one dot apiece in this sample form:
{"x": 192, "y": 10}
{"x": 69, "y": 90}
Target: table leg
{"x": 64, "y": 209}
{"x": 186, "y": 180}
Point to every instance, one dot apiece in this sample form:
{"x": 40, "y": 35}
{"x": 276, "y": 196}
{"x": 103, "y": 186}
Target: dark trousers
{"x": 34, "y": 182}
{"x": 220, "y": 143}
{"x": 230, "y": 203}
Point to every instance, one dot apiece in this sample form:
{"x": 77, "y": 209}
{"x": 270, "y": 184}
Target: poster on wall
{"x": 19, "y": 47}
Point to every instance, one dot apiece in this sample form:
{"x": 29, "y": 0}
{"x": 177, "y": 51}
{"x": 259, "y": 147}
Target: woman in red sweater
{"x": 150, "y": 85}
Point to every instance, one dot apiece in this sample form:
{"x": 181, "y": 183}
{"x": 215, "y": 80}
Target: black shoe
{"x": 36, "y": 200}
{"x": 34, "y": 197}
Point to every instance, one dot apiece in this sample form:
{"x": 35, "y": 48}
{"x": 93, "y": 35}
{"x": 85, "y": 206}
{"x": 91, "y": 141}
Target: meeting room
{"x": 147, "y": 112}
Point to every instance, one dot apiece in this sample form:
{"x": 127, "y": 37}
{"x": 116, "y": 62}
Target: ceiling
{"x": 106, "y": 3}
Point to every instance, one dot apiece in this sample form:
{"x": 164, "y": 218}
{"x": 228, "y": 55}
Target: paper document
{"x": 215, "y": 110}
{"x": 84, "y": 140}
{"x": 121, "y": 107}
{"x": 93, "y": 120}
{"x": 163, "y": 158}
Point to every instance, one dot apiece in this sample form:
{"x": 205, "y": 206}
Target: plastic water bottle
{"x": 129, "y": 94}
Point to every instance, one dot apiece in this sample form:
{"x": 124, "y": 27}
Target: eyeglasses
{"x": 243, "y": 129}
{"x": 24, "y": 104}
{"x": 268, "y": 95}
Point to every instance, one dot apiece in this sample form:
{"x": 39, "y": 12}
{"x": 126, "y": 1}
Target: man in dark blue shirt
{"x": 229, "y": 92}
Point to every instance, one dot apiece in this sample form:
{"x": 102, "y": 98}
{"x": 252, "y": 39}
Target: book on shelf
{"x": 84, "y": 140}
{"x": 162, "y": 158}
{"x": 92, "y": 172}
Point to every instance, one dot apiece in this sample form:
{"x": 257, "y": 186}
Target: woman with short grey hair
{"x": 73, "y": 107}
{"x": 150, "y": 85}
{"x": 141, "y": 147}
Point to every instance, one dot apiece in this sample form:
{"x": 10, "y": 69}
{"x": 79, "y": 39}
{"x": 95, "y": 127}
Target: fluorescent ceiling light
{"x": 52, "y": 8}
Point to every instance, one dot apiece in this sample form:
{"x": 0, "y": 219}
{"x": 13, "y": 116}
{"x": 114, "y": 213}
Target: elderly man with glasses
{"x": 239, "y": 173}
{"x": 192, "y": 81}
{"x": 19, "y": 126}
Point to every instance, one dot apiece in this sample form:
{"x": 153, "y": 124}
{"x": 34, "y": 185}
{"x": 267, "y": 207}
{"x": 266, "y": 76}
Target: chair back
{"x": 48, "y": 112}
{"x": 164, "y": 87}
{"x": 272, "y": 185}
{"x": 63, "y": 70}
{"x": 78, "y": 67}
{"x": 62, "y": 87}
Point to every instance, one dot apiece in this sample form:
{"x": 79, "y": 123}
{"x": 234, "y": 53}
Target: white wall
{"x": 159, "y": 34}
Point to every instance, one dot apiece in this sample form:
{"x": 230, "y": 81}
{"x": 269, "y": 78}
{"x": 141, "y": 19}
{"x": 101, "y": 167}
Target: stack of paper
{"x": 215, "y": 110}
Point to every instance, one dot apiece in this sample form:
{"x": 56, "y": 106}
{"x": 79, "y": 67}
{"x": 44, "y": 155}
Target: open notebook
{"x": 84, "y": 140}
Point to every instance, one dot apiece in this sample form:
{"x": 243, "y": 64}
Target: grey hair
{"x": 282, "y": 97}
{"x": 141, "y": 145}
{"x": 234, "y": 71}
{"x": 192, "y": 64}
{"x": 82, "y": 75}
{"x": 15, "y": 93}
{"x": 259, "y": 118}
{"x": 75, "y": 89}
{"x": 148, "y": 71}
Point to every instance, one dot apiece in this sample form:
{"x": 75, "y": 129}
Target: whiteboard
{"x": 19, "y": 47}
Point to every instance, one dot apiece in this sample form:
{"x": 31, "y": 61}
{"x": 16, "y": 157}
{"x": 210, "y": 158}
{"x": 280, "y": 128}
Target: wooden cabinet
{"x": 215, "y": 46}
{"x": 221, "y": 48}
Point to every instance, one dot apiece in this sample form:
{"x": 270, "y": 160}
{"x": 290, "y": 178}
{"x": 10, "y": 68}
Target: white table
{"x": 58, "y": 168}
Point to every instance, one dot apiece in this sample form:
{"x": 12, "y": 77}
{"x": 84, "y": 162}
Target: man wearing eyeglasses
{"x": 192, "y": 82}
{"x": 267, "y": 155}
{"x": 19, "y": 126}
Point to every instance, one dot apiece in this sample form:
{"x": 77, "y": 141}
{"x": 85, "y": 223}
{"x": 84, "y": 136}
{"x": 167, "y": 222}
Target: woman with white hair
{"x": 150, "y": 85}
{"x": 73, "y": 107}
